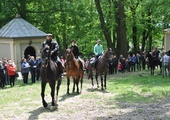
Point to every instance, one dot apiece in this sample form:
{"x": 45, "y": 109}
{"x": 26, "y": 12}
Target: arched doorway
{"x": 29, "y": 51}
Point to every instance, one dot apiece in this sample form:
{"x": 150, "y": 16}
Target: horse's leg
{"x": 43, "y": 84}
{"x": 97, "y": 80}
{"x": 153, "y": 70}
{"x": 52, "y": 86}
{"x": 74, "y": 82}
{"x": 77, "y": 84}
{"x": 105, "y": 75}
{"x": 81, "y": 82}
{"x": 92, "y": 80}
{"x": 58, "y": 87}
{"x": 68, "y": 84}
{"x": 101, "y": 81}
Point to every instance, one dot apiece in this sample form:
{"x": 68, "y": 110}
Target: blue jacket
{"x": 25, "y": 67}
{"x": 133, "y": 59}
{"x": 98, "y": 49}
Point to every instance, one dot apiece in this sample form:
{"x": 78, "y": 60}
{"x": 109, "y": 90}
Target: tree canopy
{"x": 131, "y": 25}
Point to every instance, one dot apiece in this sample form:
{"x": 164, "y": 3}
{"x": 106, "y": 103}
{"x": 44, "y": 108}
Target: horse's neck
{"x": 103, "y": 56}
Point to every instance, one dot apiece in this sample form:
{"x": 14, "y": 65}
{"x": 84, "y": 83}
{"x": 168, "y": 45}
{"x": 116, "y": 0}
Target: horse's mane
{"x": 70, "y": 57}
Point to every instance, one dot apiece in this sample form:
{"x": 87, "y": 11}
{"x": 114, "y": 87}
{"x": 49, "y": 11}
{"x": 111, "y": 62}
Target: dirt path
{"x": 76, "y": 107}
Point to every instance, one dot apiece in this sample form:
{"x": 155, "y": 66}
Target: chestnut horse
{"x": 101, "y": 69}
{"x": 49, "y": 73}
{"x": 74, "y": 69}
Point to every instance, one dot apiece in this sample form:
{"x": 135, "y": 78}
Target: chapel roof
{"x": 20, "y": 28}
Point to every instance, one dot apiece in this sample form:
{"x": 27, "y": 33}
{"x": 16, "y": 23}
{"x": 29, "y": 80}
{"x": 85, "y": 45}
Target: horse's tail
{"x": 90, "y": 74}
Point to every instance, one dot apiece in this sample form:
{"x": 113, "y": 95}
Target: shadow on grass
{"x": 35, "y": 113}
{"x": 96, "y": 90}
{"x": 66, "y": 96}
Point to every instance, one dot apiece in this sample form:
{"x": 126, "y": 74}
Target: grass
{"x": 128, "y": 87}
{"x": 139, "y": 87}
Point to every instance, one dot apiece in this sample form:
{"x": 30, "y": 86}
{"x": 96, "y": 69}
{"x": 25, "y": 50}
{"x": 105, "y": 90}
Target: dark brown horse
{"x": 101, "y": 69}
{"x": 49, "y": 73}
{"x": 74, "y": 69}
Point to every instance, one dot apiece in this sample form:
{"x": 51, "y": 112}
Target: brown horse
{"x": 101, "y": 69}
{"x": 74, "y": 68}
{"x": 49, "y": 73}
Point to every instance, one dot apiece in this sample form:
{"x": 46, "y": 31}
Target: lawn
{"x": 133, "y": 87}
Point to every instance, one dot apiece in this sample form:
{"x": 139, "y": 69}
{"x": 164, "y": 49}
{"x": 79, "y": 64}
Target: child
{"x": 119, "y": 67}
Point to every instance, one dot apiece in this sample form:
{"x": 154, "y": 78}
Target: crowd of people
{"x": 138, "y": 62}
{"x": 121, "y": 64}
{"x": 8, "y": 72}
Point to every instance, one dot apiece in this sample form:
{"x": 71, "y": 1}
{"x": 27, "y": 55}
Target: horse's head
{"x": 45, "y": 53}
{"x": 69, "y": 54}
{"x": 108, "y": 53}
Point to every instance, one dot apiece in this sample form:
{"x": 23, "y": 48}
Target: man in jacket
{"x": 54, "y": 48}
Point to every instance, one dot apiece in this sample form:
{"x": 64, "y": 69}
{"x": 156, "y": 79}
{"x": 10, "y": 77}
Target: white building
{"x": 167, "y": 39}
{"x": 18, "y": 38}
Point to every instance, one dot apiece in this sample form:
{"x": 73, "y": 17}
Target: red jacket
{"x": 11, "y": 69}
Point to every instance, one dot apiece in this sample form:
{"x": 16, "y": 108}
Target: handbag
{"x": 16, "y": 74}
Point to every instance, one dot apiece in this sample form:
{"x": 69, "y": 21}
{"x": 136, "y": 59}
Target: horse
{"x": 49, "y": 73}
{"x": 151, "y": 62}
{"x": 101, "y": 69}
{"x": 73, "y": 68}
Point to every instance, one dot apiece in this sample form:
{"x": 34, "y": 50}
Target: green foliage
{"x": 79, "y": 20}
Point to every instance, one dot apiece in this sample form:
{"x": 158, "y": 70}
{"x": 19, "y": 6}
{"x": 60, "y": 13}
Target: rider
{"x": 54, "y": 47}
{"x": 98, "y": 50}
{"x": 74, "y": 48}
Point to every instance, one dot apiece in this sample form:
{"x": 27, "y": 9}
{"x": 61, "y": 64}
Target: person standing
{"x": 115, "y": 64}
{"x": 4, "y": 63}
{"x": 38, "y": 60}
{"x": 33, "y": 65}
{"x": 11, "y": 70}
{"x": 2, "y": 75}
{"x": 110, "y": 62}
{"x": 98, "y": 50}
{"x": 133, "y": 62}
{"x": 138, "y": 61}
{"x": 25, "y": 68}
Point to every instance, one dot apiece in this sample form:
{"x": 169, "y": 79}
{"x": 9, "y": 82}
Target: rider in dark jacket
{"x": 74, "y": 48}
{"x": 54, "y": 47}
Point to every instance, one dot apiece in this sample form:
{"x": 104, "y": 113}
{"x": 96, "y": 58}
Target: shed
{"x": 18, "y": 39}
{"x": 167, "y": 39}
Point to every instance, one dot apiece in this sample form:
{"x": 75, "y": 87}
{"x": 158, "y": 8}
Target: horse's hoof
{"x": 53, "y": 107}
{"x": 68, "y": 93}
{"x": 45, "y": 105}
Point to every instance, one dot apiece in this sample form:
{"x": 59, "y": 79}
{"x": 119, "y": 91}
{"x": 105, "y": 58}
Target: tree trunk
{"x": 134, "y": 34}
{"x": 121, "y": 29}
{"x": 145, "y": 35}
{"x": 103, "y": 25}
{"x": 22, "y": 10}
{"x": 63, "y": 18}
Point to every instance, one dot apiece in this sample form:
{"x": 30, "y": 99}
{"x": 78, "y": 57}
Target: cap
{"x": 98, "y": 40}
{"x": 49, "y": 34}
